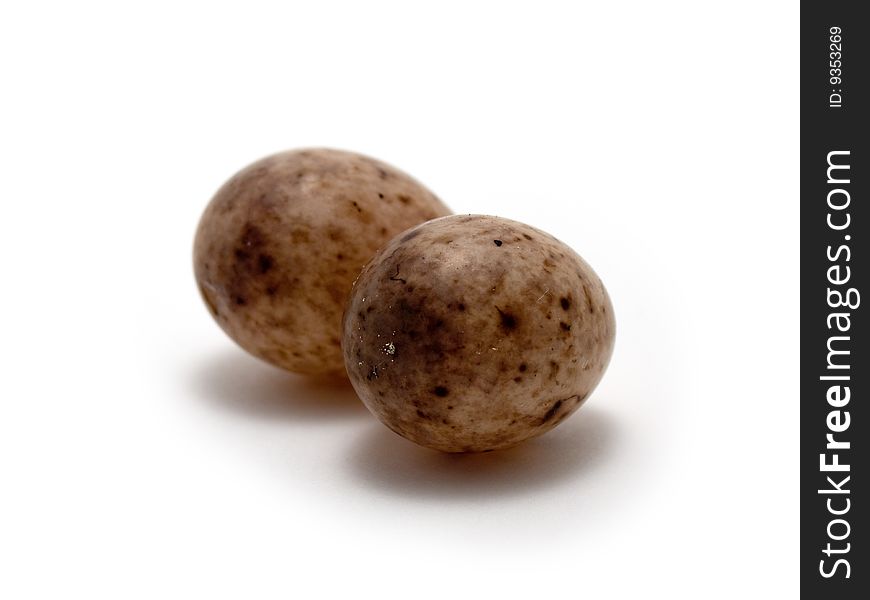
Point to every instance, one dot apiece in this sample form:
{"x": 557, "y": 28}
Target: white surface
{"x": 143, "y": 455}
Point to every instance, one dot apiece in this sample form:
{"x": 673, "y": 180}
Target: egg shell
{"x": 280, "y": 244}
{"x": 472, "y": 333}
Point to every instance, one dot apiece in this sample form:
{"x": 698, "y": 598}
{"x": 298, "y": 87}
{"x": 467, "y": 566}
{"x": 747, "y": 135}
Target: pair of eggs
{"x": 462, "y": 333}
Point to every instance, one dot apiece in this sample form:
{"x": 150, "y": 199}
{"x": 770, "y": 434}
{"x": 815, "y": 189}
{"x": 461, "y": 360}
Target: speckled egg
{"x": 473, "y": 333}
{"x": 280, "y": 244}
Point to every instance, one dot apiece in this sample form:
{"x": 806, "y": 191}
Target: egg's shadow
{"x": 236, "y": 382}
{"x": 383, "y": 460}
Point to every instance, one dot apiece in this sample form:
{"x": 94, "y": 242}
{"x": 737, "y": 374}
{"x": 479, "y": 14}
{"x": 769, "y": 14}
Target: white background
{"x": 143, "y": 455}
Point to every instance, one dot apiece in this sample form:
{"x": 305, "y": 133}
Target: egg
{"x": 472, "y": 333}
{"x": 280, "y": 244}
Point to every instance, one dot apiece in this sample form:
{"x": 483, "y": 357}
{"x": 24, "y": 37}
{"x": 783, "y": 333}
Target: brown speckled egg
{"x": 280, "y": 244}
{"x": 472, "y": 333}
